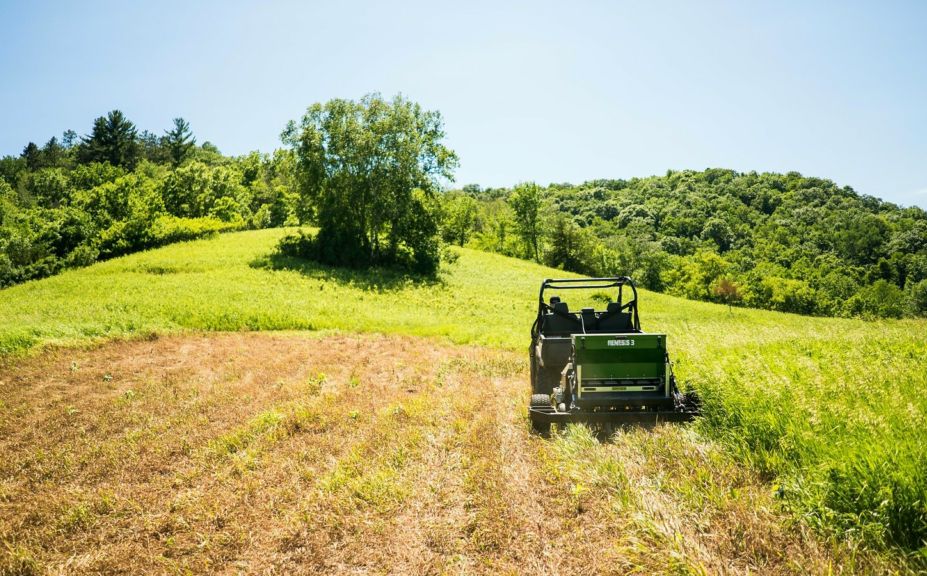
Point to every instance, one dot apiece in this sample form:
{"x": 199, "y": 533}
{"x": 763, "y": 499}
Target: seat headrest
{"x": 613, "y": 307}
{"x": 561, "y": 307}
{"x": 554, "y": 300}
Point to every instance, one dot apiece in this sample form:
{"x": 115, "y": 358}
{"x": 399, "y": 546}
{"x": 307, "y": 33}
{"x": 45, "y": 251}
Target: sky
{"x": 539, "y": 91}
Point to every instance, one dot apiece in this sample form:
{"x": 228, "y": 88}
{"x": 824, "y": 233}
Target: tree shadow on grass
{"x": 372, "y": 279}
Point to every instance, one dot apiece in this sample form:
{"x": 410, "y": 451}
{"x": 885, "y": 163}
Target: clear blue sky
{"x": 544, "y": 91}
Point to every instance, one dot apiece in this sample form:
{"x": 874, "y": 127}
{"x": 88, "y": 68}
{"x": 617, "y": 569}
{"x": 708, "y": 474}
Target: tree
{"x": 53, "y": 154}
{"x": 68, "y": 138}
{"x": 569, "y": 246}
{"x": 152, "y": 147}
{"x": 631, "y": 255}
{"x": 526, "y": 203}
{"x": 49, "y": 187}
{"x": 727, "y": 291}
{"x": 123, "y": 210}
{"x": 718, "y": 231}
{"x": 787, "y": 295}
{"x": 880, "y": 299}
{"x": 494, "y": 223}
{"x": 917, "y": 298}
{"x": 196, "y": 190}
{"x": 360, "y": 164}
{"x": 114, "y": 139}
{"x": 860, "y": 237}
{"x": 459, "y": 219}
{"x": 32, "y": 155}
{"x": 179, "y": 141}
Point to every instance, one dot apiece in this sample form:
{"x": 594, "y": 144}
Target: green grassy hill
{"x": 831, "y": 411}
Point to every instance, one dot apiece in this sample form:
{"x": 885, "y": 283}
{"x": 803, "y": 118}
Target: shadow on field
{"x": 373, "y": 279}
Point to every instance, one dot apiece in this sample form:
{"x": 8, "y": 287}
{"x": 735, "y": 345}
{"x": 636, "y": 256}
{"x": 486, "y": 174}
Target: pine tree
{"x": 114, "y": 139}
{"x": 68, "y": 138}
{"x": 32, "y": 155}
{"x": 179, "y": 141}
{"x": 53, "y": 154}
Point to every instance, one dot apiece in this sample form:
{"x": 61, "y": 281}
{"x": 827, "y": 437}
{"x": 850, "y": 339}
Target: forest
{"x": 777, "y": 241}
{"x": 784, "y": 242}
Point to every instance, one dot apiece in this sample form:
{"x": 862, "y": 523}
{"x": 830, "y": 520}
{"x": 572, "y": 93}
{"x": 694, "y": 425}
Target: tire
{"x": 540, "y": 401}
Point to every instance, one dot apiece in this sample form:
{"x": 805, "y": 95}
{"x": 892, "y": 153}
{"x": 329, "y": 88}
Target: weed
{"x": 18, "y": 561}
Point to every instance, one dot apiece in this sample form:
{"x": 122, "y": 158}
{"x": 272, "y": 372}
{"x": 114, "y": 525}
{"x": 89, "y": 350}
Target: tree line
{"x": 778, "y": 241}
{"x": 79, "y": 199}
{"x": 370, "y": 176}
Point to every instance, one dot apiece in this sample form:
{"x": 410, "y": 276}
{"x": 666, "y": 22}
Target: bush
{"x": 167, "y": 229}
{"x": 917, "y": 298}
{"x": 424, "y": 260}
{"x": 197, "y": 190}
{"x": 788, "y": 295}
{"x": 695, "y": 276}
{"x": 299, "y": 245}
{"x": 881, "y": 299}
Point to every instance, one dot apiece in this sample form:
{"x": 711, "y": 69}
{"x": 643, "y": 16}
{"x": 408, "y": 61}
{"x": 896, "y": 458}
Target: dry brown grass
{"x": 278, "y": 454}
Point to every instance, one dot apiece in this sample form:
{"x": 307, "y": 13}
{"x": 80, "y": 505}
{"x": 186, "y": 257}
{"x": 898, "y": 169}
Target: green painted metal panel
{"x": 619, "y": 341}
{"x": 606, "y": 357}
{"x": 623, "y": 370}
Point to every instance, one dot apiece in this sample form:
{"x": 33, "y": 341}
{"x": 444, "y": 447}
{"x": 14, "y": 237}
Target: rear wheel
{"x": 540, "y": 401}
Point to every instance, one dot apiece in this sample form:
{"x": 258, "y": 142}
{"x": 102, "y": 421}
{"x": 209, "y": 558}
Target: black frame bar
{"x": 589, "y": 284}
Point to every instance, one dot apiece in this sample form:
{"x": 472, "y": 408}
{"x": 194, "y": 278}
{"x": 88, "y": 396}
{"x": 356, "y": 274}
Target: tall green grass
{"x": 832, "y": 411}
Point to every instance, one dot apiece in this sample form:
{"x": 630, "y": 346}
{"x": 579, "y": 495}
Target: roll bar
{"x": 588, "y": 283}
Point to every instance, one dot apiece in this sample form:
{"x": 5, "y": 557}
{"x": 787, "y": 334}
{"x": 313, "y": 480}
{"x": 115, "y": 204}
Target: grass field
{"x": 810, "y": 424}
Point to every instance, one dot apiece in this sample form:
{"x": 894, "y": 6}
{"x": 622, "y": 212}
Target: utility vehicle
{"x": 598, "y": 365}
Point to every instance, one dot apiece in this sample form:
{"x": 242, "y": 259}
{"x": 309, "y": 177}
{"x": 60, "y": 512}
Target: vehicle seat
{"x": 613, "y": 320}
{"x": 555, "y": 323}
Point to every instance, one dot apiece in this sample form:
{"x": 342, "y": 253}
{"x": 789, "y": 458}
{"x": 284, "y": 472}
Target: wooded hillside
{"x": 780, "y": 241}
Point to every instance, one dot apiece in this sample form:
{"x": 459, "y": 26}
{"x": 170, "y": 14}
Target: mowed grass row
{"x": 831, "y": 411}
{"x": 265, "y": 453}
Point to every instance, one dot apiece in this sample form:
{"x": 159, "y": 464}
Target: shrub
{"x": 167, "y": 229}
{"x": 917, "y": 298}
{"x": 196, "y": 190}
{"x": 881, "y": 299}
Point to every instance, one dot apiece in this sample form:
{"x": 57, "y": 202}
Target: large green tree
{"x": 371, "y": 169}
{"x": 114, "y": 139}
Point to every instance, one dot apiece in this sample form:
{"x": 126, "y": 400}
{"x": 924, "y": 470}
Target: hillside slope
{"x": 782, "y": 242}
{"x": 829, "y": 411}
